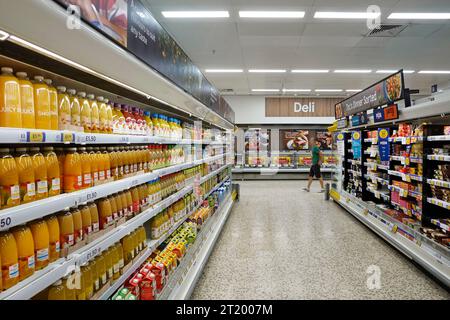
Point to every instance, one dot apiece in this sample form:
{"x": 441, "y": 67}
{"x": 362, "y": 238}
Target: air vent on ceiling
{"x": 387, "y": 30}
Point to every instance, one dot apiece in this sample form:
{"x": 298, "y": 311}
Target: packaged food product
{"x": 66, "y": 227}
{"x": 53, "y": 174}
{"x": 41, "y": 243}
{"x": 10, "y": 106}
{"x": 9, "y": 180}
{"x": 41, "y": 104}
{"x": 9, "y": 260}
{"x": 25, "y": 250}
{"x": 27, "y": 101}
{"x": 53, "y": 94}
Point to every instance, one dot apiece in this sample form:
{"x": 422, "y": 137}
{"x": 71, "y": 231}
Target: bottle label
{"x": 55, "y": 184}
{"x": 55, "y": 248}
{"x": 108, "y": 174}
{"x": 97, "y": 284}
{"x": 42, "y": 187}
{"x": 87, "y": 230}
{"x": 72, "y": 183}
{"x": 120, "y": 213}
{"x": 116, "y": 268}
{"x": 78, "y": 235}
{"x": 116, "y": 172}
{"x": 115, "y": 215}
{"x": 31, "y": 262}
{"x": 127, "y": 169}
{"x": 110, "y": 272}
{"x": 42, "y": 255}
{"x": 155, "y": 233}
{"x": 67, "y": 240}
{"x": 104, "y": 279}
{"x": 121, "y": 263}
{"x": 87, "y": 179}
{"x": 95, "y": 227}
{"x": 31, "y": 189}
{"x": 145, "y": 166}
{"x": 121, "y": 170}
{"x": 10, "y": 272}
{"x": 136, "y": 207}
{"x": 102, "y": 175}
{"x": 95, "y": 177}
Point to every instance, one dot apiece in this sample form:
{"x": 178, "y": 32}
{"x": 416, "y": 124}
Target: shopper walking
{"x": 317, "y": 160}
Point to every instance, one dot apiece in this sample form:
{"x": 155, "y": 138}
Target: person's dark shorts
{"x": 315, "y": 171}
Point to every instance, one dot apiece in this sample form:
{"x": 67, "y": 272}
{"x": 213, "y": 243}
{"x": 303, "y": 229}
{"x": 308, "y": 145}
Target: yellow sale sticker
{"x": 36, "y": 137}
{"x": 67, "y": 137}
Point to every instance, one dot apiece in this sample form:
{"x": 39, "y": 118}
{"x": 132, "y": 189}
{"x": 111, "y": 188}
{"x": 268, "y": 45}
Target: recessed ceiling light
{"x": 352, "y": 71}
{"x": 435, "y": 71}
{"x": 272, "y": 14}
{"x": 310, "y": 71}
{"x": 196, "y": 14}
{"x": 353, "y": 90}
{"x": 296, "y": 90}
{"x": 346, "y": 15}
{"x": 420, "y": 15}
{"x": 224, "y": 70}
{"x": 328, "y": 90}
{"x": 267, "y": 71}
{"x": 266, "y": 90}
{"x": 394, "y": 71}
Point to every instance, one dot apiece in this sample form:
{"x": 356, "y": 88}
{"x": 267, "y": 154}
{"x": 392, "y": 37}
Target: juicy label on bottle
{"x": 10, "y": 271}
{"x": 73, "y": 183}
{"x": 108, "y": 174}
{"x": 42, "y": 187}
{"x": 95, "y": 226}
{"x": 96, "y": 177}
{"x": 67, "y": 240}
{"x": 27, "y": 265}
{"x": 87, "y": 180}
{"x": 101, "y": 175}
{"x": 55, "y": 248}
{"x": 10, "y": 195}
{"x": 27, "y": 190}
{"x": 41, "y": 256}
{"x": 54, "y": 186}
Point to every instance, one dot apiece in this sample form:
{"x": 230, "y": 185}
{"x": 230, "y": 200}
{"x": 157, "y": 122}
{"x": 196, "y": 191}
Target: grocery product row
{"x": 290, "y": 160}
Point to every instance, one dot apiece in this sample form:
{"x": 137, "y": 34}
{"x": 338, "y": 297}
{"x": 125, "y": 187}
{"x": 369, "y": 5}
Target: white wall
{"x": 252, "y": 109}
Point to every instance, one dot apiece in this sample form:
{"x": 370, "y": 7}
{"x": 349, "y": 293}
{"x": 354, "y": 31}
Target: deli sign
{"x": 306, "y": 108}
{"x": 300, "y": 107}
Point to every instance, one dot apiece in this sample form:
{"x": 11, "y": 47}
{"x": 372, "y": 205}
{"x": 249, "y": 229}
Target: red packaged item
{"x": 159, "y": 271}
{"x": 134, "y": 285}
{"x": 148, "y": 287}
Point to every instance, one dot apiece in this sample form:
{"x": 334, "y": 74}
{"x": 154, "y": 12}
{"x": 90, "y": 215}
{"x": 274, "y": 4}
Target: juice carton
{"x": 148, "y": 287}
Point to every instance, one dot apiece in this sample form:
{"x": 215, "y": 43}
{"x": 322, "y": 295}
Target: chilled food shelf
{"x": 439, "y": 183}
{"x": 371, "y": 140}
{"x": 443, "y": 226}
{"x": 406, "y": 140}
{"x": 376, "y": 166}
{"x": 439, "y": 138}
{"x": 440, "y": 203}
{"x": 378, "y": 194}
{"x": 406, "y": 160}
{"x": 405, "y": 176}
{"x": 438, "y": 157}
{"x": 377, "y": 179}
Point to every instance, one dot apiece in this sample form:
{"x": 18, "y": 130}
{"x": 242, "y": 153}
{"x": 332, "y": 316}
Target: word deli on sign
{"x": 298, "y": 107}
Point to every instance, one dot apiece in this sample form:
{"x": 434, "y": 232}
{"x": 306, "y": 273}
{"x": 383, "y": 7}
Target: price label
{"x": 5, "y": 223}
{"x": 93, "y": 253}
{"x": 90, "y": 138}
{"x": 36, "y": 137}
{"x": 124, "y": 139}
{"x": 394, "y": 228}
{"x": 406, "y": 177}
{"x": 68, "y": 137}
{"x": 134, "y": 183}
{"x": 91, "y": 195}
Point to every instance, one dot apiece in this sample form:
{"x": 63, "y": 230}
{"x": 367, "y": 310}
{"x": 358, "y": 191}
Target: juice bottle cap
{"x": 7, "y": 70}
{"x": 48, "y": 81}
{"x": 82, "y": 94}
{"x": 71, "y": 91}
{"x": 100, "y": 98}
{"x": 73, "y": 149}
{"x": 38, "y": 78}
{"x": 4, "y": 150}
{"x": 62, "y": 89}
{"x": 112, "y": 149}
{"x": 35, "y": 149}
{"x": 82, "y": 148}
{"x": 91, "y": 96}
{"x": 21, "y": 75}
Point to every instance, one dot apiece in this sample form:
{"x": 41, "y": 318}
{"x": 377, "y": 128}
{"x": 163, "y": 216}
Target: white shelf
{"x": 439, "y": 203}
{"x": 403, "y": 160}
{"x": 379, "y": 166}
{"x": 406, "y": 140}
{"x": 438, "y": 157}
{"x": 439, "y": 138}
{"x": 279, "y": 170}
{"x": 439, "y": 183}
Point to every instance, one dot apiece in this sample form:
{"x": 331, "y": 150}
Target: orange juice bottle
{"x": 86, "y": 117}
{"x": 107, "y": 162}
{"x": 27, "y": 179}
{"x": 86, "y": 168}
{"x": 116, "y": 262}
{"x": 128, "y": 253}
{"x": 113, "y": 162}
{"x": 41, "y": 243}
{"x": 61, "y": 159}
{"x": 25, "y": 250}
{"x": 119, "y": 205}
{"x": 86, "y": 220}
{"x": 88, "y": 282}
{"x": 95, "y": 114}
{"x": 64, "y": 111}
{"x": 73, "y": 177}
{"x": 95, "y": 274}
{"x": 40, "y": 173}
{"x": 129, "y": 203}
{"x": 77, "y": 225}
{"x": 41, "y": 104}
{"x": 109, "y": 263}
{"x": 53, "y": 174}
{"x": 57, "y": 291}
{"x": 123, "y": 200}
{"x": 119, "y": 250}
{"x": 94, "y": 165}
{"x": 69, "y": 291}
{"x": 101, "y": 269}
{"x": 10, "y": 105}
{"x": 75, "y": 108}
{"x": 114, "y": 210}
{"x": 101, "y": 164}
{"x": 54, "y": 238}
{"x": 109, "y": 116}
{"x": 105, "y": 213}
{"x": 9, "y": 260}
{"x": 66, "y": 229}
{"x": 9, "y": 180}
{"x": 94, "y": 217}
{"x": 27, "y": 101}
{"x": 103, "y": 115}
{"x": 54, "y": 121}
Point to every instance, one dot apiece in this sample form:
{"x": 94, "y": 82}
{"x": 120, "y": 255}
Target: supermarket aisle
{"x": 283, "y": 243}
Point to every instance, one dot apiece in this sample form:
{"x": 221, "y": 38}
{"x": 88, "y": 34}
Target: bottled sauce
{"x": 25, "y": 250}
{"x": 54, "y": 121}
{"x": 105, "y": 213}
{"x": 10, "y": 105}
{"x": 101, "y": 269}
{"x": 88, "y": 284}
{"x": 86, "y": 168}
{"x": 27, "y": 101}
{"x": 77, "y": 225}
{"x": 75, "y": 108}
{"x": 95, "y": 274}
{"x": 86, "y": 118}
{"x": 103, "y": 115}
{"x": 73, "y": 179}
{"x": 64, "y": 111}
{"x": 41, "y": 104}
{"x": 94, "y": 165}
{"x": 9, "y": 260}
{"x": 95, "y": 114}
{"x": 53, "y": 173}
{"x": 86, "y": 220}
{"x": 66, "y": 227}
{"x": 41, "y": 243}
{"x": 27, "y": 179}
{"x": 54, "y": 238}
{"x": 40, "y": 173}
{"x": 9, "y": 180}
{"x": 109, "y": 117}
{"x": 69, "y": 290}
{"x": 57, "y": 291}
{"x": 94, "y": 217}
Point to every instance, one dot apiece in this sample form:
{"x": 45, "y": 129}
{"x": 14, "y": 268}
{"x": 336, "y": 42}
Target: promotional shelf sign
{"x": 340, "y": 141}
{"x": 383, "y": 144}
{"x": 356, "y": 144}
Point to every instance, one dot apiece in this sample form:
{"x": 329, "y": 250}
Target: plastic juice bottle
{"x": 109, "y": 117}
{"x": 126, "y": 110}
{"x": 148, "y": 120}
{"x": 116, "y": 262}
{"x": 94, "y": 217}
{"x": 103, "y": 115}
{"x": 9, "y": 260}
{"x": 95, "y": 114}
{"x": 86, "y": 220}
{"x": 114, "y": 210}
{"x": 66, "y": 227}
{"x": 155, "y": 122}
{"x": 75, "y": 108}
{"x": 123, "y": 200}
{"x": 86, "y": 168}
{"x": 41, "y": 104}
{"x": 10, "y": 104}
{"x": 25, "y": 250}
{"x": 73, "y": 175}
{"x": 119, "y": 249}
{"x": 128, "y": 252}
{"x": 101, "y": 269}
{"x": 9, "y": 180}
{"x": 135, "y": 200}
{"x": 85, "y": 112}
{"x": 53, "y": 174}
{"x": 26, "y": 173}
{"x": 135, "y": 238}
{"x": 137, "y": 122}
{"x": 41, "y": 243}
{"x": 54, "y": 121}
{"x": 57, "y": 291}
{"x": 95, "y": 275}
{"x": 144, "y": 129}
{"x": 87, "y": 280}
{"x": 113, "y": 163}
{"x": 80, "y": 292}
{"x": 94, "y": 165}
{"x": 107, "y": 162}
{"x": 27, "y": 101}
{"x": 54, "y": 238}
{"x": 77, "y": 225}
{"x": 64, "y": 111}
{"x": 109, "y": 263}
{"x": 40, "y": 173}
{"x": 100, "y": 164}
{"x": 69, "y": 291}
{"x": 142, "y": 237}
{"x": 120, "y": 164}
{"x": 61, "y": 159}
{"x": 105, "y": 213}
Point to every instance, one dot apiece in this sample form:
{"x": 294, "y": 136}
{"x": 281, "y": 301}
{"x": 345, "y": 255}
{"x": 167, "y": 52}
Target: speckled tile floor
{"x": 283, "y": 243}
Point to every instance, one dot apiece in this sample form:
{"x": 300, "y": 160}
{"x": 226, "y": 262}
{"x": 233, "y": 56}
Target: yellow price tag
{"x": 67, "y": 137}
{"x": 36, "y": 137}
{"x": 394, "y": 228}
{"x": 407, "y": 161}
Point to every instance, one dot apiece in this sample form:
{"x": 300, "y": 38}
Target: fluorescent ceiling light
{"x": 296, "y": 90}
{"x": 310, "y": 71}
{"x": 394, "y": 71}
{"x": 353, "y": 90}
{"x": 420, "y": 15}
{"x": 346, "y": 15}
{"x": 267, "y": 71}
{"x": 352, "y": 71}
{"x": 328, "y": 90}
{"x": 224, "y": 70}
{"x": 435, "y": 71}
{"x": 196, "y": 14}
{"x": 265, "y": 90}
{"x": 272, "y": 14}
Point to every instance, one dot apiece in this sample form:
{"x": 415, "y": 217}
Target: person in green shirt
{"x": 317, "y": 159}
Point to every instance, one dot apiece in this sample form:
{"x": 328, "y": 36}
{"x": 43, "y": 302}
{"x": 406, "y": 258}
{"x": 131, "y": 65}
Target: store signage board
{"x": 356, "y": 144}
{"x": 386, "y": 91}
{"x": 340, "y": 141}
{"x": 342, "y": 123}
{"x": 383, "y": 144}
{"x": 300, "y": 107}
